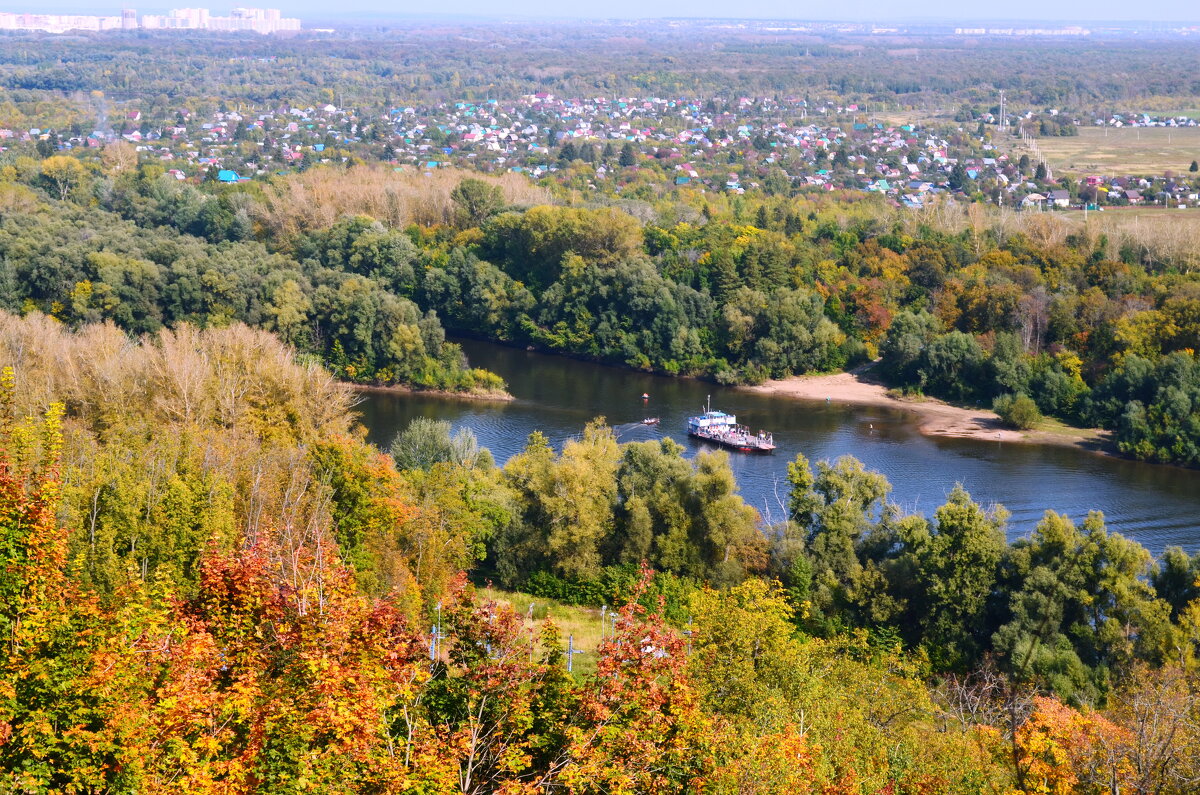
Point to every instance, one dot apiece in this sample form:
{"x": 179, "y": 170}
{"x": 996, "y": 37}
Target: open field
{"x": 1122, "y": 151}
{"x": 1158, "y": 234}
{"x": 1129, "y": 219}
{"x": 897, "y": 118}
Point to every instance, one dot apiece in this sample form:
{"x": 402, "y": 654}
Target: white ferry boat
{"x": 723, "y": 429}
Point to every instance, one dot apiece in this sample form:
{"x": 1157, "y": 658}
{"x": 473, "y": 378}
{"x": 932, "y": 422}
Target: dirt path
{"x": 934, "y": 418}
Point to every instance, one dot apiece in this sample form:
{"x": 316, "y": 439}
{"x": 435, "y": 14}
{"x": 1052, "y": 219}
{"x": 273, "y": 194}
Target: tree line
{"x": 1069, "y": 609}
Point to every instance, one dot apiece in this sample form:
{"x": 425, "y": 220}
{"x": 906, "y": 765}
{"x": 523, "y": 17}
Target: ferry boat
{"x": 723, "y": 429}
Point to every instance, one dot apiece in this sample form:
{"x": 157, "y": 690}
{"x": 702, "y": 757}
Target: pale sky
{"x": 1070, "y": 11}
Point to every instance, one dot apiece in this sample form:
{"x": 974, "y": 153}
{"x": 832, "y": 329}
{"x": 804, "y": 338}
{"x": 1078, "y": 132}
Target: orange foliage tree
{"x": 290, "y": 681}
{"x": 55, "y": 734}
{"x": 641, "y": 728}
{"x": 1063, "y": 751}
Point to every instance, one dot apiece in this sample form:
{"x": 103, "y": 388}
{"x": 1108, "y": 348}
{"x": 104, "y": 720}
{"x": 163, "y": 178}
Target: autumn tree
{"x": 283, "y": 677}
{"x": 640, "y": 726}
{"x": 1062, "y": 750}
{"x": 62, "y": 173}
{"x": 1159, "y": 711}
{"x": 118, "y": 157}
{"x": 63, "y": 666}
{"x": 503, "y": 699}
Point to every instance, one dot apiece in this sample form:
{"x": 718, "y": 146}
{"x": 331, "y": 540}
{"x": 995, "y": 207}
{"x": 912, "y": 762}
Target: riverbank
{"x": 933, "y": 417}
{"x": 492, "y": 396}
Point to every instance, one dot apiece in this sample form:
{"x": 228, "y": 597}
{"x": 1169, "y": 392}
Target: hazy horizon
{"x": 1081, "y": 12}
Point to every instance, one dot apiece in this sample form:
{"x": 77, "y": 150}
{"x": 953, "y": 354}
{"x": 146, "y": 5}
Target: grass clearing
{"x": 1122, "y": 151}
{"x": 1059, "y": 428}
{"x": 1163, "y": 237}
{"x": 898, "y": 118}
{"x": 1130, "y": 219}
{"x": 581, "y": 622}
{"x": 1163, "y": 234}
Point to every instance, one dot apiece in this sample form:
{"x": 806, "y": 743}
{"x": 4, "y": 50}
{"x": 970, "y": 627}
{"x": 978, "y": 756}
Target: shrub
{"x": 855, "y": 352}
{"x": 1017, "y": 411}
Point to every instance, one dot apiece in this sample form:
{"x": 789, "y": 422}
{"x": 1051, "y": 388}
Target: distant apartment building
{"x": 257, "y": 20}
{"x": 58, "y": 23}
{"x": 1072, "y": 30}
{"x": 178, "y": 19}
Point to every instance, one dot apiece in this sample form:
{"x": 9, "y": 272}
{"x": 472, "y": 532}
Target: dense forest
{"x": 444, "y": 62}
{"x": 212, "y": 583}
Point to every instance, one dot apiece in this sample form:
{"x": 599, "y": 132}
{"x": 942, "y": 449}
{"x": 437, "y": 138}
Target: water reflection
{"x": 1156, "y": 505}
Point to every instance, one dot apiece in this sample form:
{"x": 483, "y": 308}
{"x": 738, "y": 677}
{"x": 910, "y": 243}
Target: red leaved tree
{"x": 285, "y": 677}
{"x": 640, "y": 727}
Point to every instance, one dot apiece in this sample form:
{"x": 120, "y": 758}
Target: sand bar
{"x": 933, "y": 417}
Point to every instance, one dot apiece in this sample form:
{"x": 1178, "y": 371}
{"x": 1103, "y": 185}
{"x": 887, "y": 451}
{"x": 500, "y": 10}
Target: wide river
{"x": 1159, "y": 506}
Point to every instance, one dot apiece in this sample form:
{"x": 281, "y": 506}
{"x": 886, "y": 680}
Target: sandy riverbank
{"x": 934, "y": 418}
{"x": 500, "y": 397}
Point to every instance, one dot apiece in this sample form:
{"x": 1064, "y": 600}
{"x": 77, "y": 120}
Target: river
{"x": 1156, "y": 505}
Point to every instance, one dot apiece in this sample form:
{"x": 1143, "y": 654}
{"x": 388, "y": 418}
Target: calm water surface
{"x": 1158, "y": 506}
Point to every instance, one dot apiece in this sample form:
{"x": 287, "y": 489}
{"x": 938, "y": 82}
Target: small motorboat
{"x": 650, "y": 421}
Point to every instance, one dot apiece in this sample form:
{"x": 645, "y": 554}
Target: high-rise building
{"x": 258, "y": 20}
{"x": 58, "y": 23}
